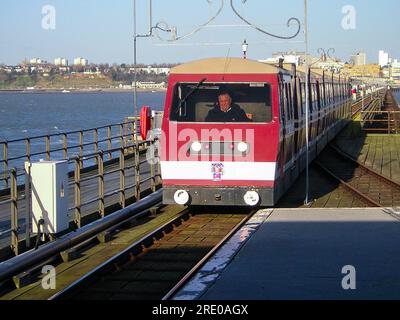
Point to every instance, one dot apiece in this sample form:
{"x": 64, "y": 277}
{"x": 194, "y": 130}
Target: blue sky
{"x": 101, "y": 30}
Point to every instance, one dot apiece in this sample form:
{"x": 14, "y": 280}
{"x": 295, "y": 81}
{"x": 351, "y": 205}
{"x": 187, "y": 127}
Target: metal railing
{"x": 66, "y": 143}
{"x": 118, "y": 170}
{"x": 378, "y": 121}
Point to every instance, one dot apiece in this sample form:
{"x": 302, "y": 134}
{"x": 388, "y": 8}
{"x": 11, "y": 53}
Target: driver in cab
{"x": 225, "y": 111}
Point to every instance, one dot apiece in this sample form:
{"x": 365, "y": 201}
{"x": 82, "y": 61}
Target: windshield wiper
{"x": 182, "y": 101}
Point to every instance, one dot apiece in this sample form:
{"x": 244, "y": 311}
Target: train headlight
{"x": 196, "y": 146}
{"x": 181, "y": 197}
{"x": 242, "y": 147}
{"x": 251, "y": 198}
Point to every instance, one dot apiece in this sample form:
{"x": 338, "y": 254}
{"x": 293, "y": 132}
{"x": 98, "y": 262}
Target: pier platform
{"x": 305, "y": 254}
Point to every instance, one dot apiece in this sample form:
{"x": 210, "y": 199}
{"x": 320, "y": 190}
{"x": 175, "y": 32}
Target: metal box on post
{"x": 49, "y": 182}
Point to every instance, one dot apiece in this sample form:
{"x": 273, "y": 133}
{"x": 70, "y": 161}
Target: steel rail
{"x": 20, "y": 263}
{"x": 363, "y": 197}
{"x": 137, "y": 245}
{"x": 197, "y": 267}
{"x": 365, "y": 168}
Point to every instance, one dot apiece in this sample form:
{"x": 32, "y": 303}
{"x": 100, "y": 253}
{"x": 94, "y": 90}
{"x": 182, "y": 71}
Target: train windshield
{"x": 221, "y": 102}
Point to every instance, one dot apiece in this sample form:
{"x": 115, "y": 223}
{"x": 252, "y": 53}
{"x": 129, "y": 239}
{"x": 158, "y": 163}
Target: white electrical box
{"x": 49, "y": 181}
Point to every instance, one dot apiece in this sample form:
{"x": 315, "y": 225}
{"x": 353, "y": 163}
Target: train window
{"x": 291, "y": 100}
{"x": 287, "y": 102}
{"x": 310, "y": 97}
{"x": 314, "y": 96}
{"x": 192, "y": 102}
{"x": 303, "y": 97}
{"x": 281, "y": 103}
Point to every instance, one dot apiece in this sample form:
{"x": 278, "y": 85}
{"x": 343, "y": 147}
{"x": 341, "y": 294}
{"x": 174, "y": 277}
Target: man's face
{"x": 224, "y": 102}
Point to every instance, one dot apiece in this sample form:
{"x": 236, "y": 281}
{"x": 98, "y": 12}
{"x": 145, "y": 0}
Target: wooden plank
{"x": 71, "y": 271}
{"x": 386, "y": 156}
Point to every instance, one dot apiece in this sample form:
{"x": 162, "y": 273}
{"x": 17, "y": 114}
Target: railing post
{"x": 27, "y": 204}
{"x": 121, "y": 136}
{"x": 96, "y": 143}
{"x": 100, "y": 166}
{"x": 5, "y": 164}
{"x": 109, "y": 144}
{"x": 47, "y": 140}
{"x": 137, "y": 172}
{"x": 158, "y": 165}
{"x": 122, "y": 178}
{"x": 133, "y": 132}
{"x": 81, "y": 147}
{"x": 65, "y": 146}
{"x": 126, "y": 131}
{"x": 28, "y": 149}
{"x": 152, "y": 170}
{"x": 77, "y": 182}
{"x": 14, "y": 211}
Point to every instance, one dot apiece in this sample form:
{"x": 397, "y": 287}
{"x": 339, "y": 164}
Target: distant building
{"x": 152, "y": 70}
{"x": 359, "y": 59}
{"x": 81, "y": 62}
{"x": 19, "y": 69}
{"x": 61, "y": 62}
{"x": 383, "y": 58}
{"x": 395, "y": 69}
{"x": 92, "y": 71}
{"x": 363, "y": 71}
{"x": 295, "y": 57}
{"x": 37, "y": 61}
{"x": 149, "y": 85}
{"x": 64, "y": 69}
{"x": 330, "y": 65}
{"x": 8, "y": 69}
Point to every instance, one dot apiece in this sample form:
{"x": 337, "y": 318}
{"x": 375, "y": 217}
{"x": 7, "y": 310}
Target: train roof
{"x": 226, "y": 66}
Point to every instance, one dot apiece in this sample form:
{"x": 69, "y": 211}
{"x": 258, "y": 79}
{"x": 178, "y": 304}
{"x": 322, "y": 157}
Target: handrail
{"x": 127, "y": 131}
{"x": 132, "y": 150}
{"x": 68, "y": 132}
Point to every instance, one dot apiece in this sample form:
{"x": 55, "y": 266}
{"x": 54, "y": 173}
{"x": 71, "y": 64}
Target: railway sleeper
{"x": 32, "y": 274}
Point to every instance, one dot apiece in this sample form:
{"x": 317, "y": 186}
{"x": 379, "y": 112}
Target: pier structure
{"x": 176, "y": 252}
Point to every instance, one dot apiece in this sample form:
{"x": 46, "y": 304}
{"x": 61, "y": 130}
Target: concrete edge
{"x": 212, "y": 270}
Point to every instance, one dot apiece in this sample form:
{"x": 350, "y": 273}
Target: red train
{"x": 234, "y": 130}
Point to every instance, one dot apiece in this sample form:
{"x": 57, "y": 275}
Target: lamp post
{"x": 135, "y": 37}
{"x": 323, "y": 57}
{"x": 244, "y": 49}
{"x": 307, "y": 200}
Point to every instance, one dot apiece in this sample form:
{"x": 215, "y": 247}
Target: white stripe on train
{"x": 202, "y": 170}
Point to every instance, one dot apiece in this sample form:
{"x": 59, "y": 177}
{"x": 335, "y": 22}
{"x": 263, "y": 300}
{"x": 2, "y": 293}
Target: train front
{"x": 220, "y": 134}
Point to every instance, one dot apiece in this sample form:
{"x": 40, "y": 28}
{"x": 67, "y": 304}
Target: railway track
{"x": 157, "y": 263}
{"x": 359, "y": 105}
{"x": 373, "y": 188}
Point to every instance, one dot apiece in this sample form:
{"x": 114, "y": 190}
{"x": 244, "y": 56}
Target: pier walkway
{"x": 305, "y": 254}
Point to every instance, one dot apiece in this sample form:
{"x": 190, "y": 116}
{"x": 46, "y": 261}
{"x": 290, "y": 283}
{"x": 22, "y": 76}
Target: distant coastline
{"x": 64, "y": 91}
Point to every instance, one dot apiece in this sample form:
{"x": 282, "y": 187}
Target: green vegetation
{"x": 112, "y": 79}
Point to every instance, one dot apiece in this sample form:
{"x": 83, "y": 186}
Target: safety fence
{"x": 378, "y": 121}
{"x": 93, "y": 189}
{"x": 63, "y": 145}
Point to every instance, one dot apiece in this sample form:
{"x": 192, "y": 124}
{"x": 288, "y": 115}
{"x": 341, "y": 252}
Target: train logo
{"x": 217, "y": 170}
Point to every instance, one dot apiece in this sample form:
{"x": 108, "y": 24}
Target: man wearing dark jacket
{"x": 225, "y": 111}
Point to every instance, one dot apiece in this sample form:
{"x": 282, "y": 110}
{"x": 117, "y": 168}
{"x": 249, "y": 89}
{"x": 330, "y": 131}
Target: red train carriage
{"x": 253, "y": 155}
